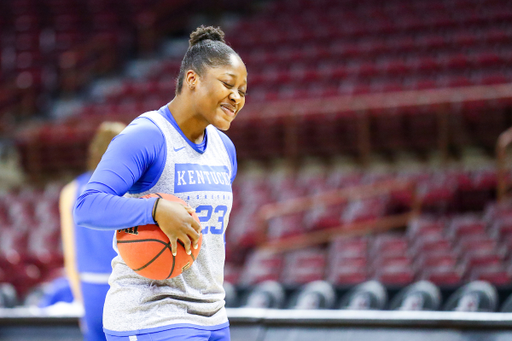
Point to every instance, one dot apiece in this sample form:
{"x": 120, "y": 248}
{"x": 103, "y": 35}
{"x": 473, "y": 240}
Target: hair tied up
{"x": 206, "y": 32}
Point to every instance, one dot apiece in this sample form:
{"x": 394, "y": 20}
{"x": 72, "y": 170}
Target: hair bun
{"x": 206, "y": 32}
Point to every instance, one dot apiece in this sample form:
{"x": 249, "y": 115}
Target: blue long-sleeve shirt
{"x": 132, "y": 163}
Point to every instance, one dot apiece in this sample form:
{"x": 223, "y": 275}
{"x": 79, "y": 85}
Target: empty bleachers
{"x": 30, "y": 247}
{"x": 57, "y": 47}
{"x": 317, "y": 50}
{"x": 452, "y": 241}
{"x": 326, "y": 50}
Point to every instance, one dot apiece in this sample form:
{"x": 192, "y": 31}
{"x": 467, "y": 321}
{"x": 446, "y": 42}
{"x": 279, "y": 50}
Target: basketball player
{"x": 180, "y": 150}
{"x": 88, "y": 253}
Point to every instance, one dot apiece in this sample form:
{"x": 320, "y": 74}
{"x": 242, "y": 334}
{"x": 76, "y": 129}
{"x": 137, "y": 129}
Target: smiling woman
{"x": 178, "y": 149}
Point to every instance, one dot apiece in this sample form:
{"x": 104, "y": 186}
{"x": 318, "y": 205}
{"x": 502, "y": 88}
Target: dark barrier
{"x": 331, "y": 325}
{"x": 297, "y": 325}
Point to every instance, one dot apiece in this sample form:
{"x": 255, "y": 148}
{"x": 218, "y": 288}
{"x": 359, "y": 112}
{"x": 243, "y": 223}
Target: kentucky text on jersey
{"x": 192, "y": 177}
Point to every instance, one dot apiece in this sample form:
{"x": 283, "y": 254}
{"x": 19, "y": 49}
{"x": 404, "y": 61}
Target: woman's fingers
{"x": 188, "y": 237}
{"x": 195, "y": 225}
{"x": 194, "y": 237}
{"x": 174, "y": 246}
{"x": 186, "y": 243}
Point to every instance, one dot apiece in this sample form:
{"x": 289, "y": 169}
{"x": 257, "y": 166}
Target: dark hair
{"x": 206, "y": 48}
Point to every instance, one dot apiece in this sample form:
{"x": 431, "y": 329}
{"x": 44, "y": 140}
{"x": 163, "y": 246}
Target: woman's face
{"x": 220, "y": 93}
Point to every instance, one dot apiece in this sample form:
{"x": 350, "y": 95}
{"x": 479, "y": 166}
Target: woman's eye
{"x": 229, "y": 86}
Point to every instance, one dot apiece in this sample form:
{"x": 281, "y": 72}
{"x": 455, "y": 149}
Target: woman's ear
{"x": 191, "y": 79}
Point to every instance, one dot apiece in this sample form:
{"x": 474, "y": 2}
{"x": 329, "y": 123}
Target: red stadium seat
{"x": 456, "y": 62}
{"x": 496, "y": 275}
{"x": 347, "y": 271}
{"x": 466, "y": 225}
{"x": 425, "y": 227}
{"x": 388, "y": 246}
{"x": 482, "y": 258}
{"x": 303, "y": 266}
{"x": 442, "y": 276}
{"x": 399, "y": 275}
{"x": 261, "y": 266}
{"x": 345, "y": 248}
{"x": 435, "y": 259}
{"x": 494, "y": 79}
{"x": 487, "y": 59}
{"x": 475, "y": 242}
{"x": 424, "y": 245}
{"x": 323, "y": 217}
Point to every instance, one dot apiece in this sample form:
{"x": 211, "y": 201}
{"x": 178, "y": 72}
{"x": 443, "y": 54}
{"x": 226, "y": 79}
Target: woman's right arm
{"x": 128, "y": 157}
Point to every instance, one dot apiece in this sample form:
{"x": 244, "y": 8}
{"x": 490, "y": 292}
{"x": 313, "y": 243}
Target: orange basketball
{"x": 147, "y": 250}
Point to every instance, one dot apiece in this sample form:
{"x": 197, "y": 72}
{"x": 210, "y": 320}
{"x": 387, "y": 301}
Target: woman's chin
{"x": 222, "y": 124}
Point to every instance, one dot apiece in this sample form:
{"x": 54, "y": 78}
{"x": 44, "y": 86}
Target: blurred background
{"x": 370, "y": 156}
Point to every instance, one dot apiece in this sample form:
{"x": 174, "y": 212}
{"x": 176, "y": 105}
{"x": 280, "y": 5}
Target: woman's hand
{"x": 176, "y": 221}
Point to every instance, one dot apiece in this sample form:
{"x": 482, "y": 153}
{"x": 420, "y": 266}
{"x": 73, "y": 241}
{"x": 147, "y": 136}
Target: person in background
{"x": 88, "y": 253}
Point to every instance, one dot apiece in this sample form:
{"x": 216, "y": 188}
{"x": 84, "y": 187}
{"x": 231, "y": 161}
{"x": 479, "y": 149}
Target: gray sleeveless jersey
{"x": 196, "y": 296}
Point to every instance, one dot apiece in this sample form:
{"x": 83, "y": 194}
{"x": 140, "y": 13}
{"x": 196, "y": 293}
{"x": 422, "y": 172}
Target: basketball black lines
{"x": 167, "y": 246}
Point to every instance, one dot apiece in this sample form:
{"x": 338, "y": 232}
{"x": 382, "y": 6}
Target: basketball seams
{"x": 191, "y": 254}
{"x": 152, "y": 260}
{"x": 173, "y": 265}
{"x": 141, "y": 240}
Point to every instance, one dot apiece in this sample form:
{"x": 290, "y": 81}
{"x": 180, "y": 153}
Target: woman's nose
{"x": 235, "y": 96}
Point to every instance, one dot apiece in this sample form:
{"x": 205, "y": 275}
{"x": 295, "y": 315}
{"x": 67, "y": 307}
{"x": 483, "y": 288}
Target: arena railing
{"x": 382, "y": 224}
{"x": 440, "y": 99}
{"x": 252, "y": 324}
{"x": 357, "y": 106}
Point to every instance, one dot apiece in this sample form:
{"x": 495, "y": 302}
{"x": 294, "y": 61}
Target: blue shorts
{"x": 94, "y": 298}
{"x": 177, "y": 334}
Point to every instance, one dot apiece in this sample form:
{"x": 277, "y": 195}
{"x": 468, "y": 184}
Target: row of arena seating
{"x": 367, "y": 18}
{"x": 366, "y": 47}
{"x": 476, "y": 296}
{"x": 467, "y": 249}
{"x": 48, "y": 149}
{"x": 464, "y": 187}
{"x": 328, "y": 77}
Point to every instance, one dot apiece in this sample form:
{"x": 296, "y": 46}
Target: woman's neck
{"x": 189, "y": 122}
